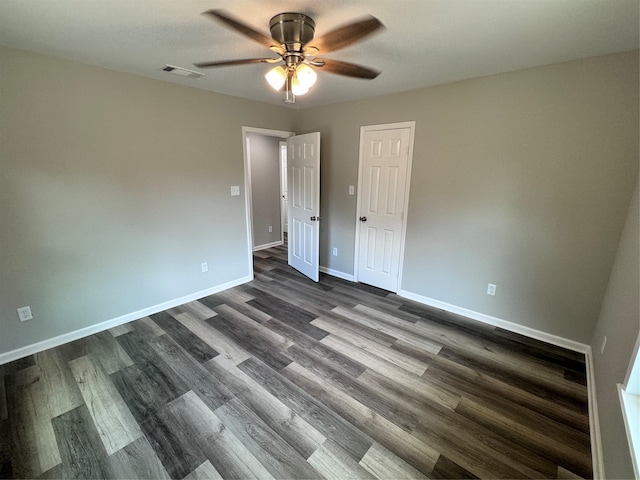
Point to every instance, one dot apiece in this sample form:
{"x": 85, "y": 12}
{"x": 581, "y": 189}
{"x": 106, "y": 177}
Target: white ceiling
{"x": 426, "y": 42}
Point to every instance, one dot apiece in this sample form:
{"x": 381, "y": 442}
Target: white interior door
{"x": 383, "y": 187}
{"x": 303, "y": 177}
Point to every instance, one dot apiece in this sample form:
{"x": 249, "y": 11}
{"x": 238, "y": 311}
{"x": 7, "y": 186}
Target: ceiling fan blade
{"x": 222, "y": 16}
{"x": 230, "y": 63}
{"x": 345, "y": 68}
{"x": 344, "y": 36}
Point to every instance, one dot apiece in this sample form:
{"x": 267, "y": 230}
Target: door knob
{"x": 363, "y": 219}
{"x": 315, "y": 219}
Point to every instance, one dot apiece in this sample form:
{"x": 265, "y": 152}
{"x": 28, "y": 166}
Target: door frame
{"x": 247, "y": 180}
{"x": 411, "y": 125}
{"x": 282, "y": 152}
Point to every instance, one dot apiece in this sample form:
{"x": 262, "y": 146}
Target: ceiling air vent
{"x": 183, "y": 72}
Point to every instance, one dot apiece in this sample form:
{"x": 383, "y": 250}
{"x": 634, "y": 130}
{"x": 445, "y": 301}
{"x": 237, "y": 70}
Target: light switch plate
{"x": 235, "y": 190}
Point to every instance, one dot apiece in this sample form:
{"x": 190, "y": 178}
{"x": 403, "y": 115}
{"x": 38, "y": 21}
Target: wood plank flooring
{"x": 284, "y": 378}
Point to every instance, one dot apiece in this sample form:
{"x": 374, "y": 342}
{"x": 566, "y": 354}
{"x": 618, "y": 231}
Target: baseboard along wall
{"x": 337, "y": 273}
{"x": 498, "y": 322}
{"x": 267, "y": 245}
{"x": 114, "y": 322}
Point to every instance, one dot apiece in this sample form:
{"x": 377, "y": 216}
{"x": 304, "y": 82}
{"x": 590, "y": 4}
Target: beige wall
{"x": 521, "y": 179}
{"x": 111, "y": 182}
{"x": 113, "y": 190}
{"x": 619, "y": 321}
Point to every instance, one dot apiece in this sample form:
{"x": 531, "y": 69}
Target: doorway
{"x": 384, "y": 175}
{"x": 262, "y": 149}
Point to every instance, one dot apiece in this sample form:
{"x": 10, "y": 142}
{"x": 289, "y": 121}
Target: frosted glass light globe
{"x": 276, "y": 77}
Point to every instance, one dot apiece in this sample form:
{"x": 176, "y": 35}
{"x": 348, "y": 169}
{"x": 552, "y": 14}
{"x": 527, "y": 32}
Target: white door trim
{"x": 282, "y": 152}
{"x": 411, "y": 125}
{"x": 247, "y": 181}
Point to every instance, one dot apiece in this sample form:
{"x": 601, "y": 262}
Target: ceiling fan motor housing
{"x": 292, "y": 38}
{"x": 293, "y": 30}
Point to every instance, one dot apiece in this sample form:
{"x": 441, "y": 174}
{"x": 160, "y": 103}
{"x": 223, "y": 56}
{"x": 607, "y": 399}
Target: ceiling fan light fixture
{"x": 289, "y": 97}
{"x": 306, "y": 76}
{"x": 297, "y": 87}
{"x": 276, "y": 77}
{"x": 293, "y": 39}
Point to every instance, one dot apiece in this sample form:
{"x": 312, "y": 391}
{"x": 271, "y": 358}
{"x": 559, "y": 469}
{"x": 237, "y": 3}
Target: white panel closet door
{"x": 384, "y": 157}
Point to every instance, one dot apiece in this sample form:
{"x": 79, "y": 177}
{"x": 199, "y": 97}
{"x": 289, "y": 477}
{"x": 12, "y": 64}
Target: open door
{"x": 303, "y": 179}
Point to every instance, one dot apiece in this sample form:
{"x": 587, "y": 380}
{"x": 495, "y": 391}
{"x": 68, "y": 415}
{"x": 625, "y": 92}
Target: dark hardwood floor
{"x": 285, "y": 378}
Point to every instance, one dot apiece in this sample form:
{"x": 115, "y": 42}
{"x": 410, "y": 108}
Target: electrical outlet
{"x": 491, "y": 289}
{"x": 205, "y": 267}
{"x": 270, "y": 229}
{"x": 24, "y": 314}
{"x": 235, "y": 190}
{"x": 604, "y": 344}
{"x": 335, "y": 252}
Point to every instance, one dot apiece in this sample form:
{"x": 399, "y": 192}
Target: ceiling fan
{"x": 292, "y": 39}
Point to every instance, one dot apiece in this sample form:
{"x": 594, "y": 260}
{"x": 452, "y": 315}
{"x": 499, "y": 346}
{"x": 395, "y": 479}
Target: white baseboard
{"x": 114, "y": 322}
{"x": 267, "y": 245}
{"x": 498, "y": 322}
{"x": 597, "y": 459}
{"x": 337, "y": 273}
